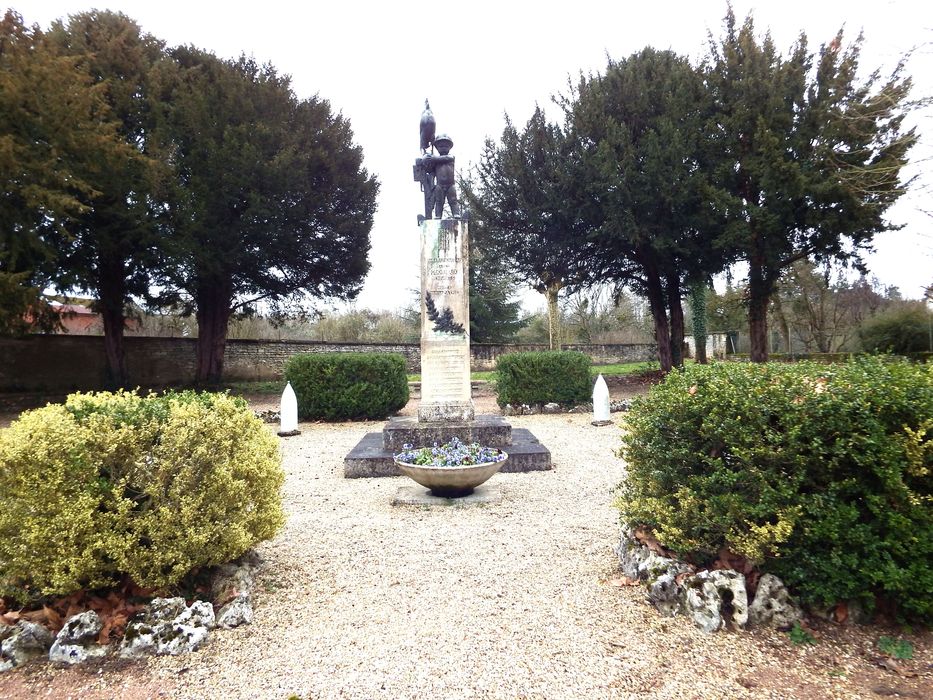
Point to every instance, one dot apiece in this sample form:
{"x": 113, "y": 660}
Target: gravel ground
{"x": 519, "y": 599}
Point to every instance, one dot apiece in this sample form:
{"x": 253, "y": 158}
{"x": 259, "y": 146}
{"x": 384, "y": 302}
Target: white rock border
{"x": 714, "y": 600}
{"x": 167, "y": 626}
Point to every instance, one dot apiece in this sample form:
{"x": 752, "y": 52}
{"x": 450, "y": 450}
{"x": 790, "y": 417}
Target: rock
{"x": 27, "y": 641}
{"x": 80, "y": 629}
{"x": 773, "y": 605}
{"x": 666, "y": 595}
{"x": 232, "y": 581}
{"x": 200, "y": 614}
{"x": 715, "y": 599}
{"x": 6, "y": 630}
{"x": 551, "y": 408}
{"x": 168, "y": 627}
{"x": 5, "y": 665}
{"x": 641, "y": 563}
{"x": 238, "y": 611}
{"x": 508, "y": 410}
{"x": 72, "y": 645}
{"x": 71, "y": 654}
{"x": 164, "y": 609}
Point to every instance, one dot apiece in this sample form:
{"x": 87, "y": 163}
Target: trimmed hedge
{"x": 821, "y": 474}
{"x": 553, "y": 376}
{"x": 114, "y": 484}
{"x": 347, "y": 386}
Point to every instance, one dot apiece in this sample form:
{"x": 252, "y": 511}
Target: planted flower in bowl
{"x": 453, "y": 469}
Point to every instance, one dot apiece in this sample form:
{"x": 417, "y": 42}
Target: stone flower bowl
{"x": 444, "y": 476}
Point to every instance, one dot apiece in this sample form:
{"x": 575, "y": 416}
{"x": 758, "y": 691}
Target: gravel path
{"x": 360, "y": 599}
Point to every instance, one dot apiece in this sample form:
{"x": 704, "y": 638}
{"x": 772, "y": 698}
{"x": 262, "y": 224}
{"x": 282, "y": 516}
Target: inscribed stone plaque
{"x": 445, "y": 321}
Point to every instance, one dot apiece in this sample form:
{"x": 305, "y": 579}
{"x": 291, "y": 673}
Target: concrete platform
{"x": 488, "y": 430}
{"x": 370, "y": 458}
{"x": 416, "y": 495}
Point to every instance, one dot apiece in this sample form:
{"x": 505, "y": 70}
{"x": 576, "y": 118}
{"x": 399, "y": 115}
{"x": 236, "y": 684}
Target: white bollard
{"x": 288, "y": 412}
{"x": 601, "y": 402}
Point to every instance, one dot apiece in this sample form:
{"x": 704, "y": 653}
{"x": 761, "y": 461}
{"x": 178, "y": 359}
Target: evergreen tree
{"x": 112, "y": 245}
{"x": 58, "y": 142}
{"x": 653, "y": 215}
{"x": 808, "y": 158}
{"x": 527, "y": 197}
{"x": 494, "y": 316}
{"x": 271, "y": 201}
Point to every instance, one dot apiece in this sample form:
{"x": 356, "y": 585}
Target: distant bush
{"x": 900, "y": 330}
{"x": 819, "y": 473}
{"x": 344, "y": 385}
{"x": 113, "y": 484}
{"x": 561, "y": 377}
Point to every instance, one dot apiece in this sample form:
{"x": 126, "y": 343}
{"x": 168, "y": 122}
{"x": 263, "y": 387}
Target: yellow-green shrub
{"x": 113, "y": 484}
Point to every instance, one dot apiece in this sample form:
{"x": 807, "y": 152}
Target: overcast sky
{"x": 377, "y": 61}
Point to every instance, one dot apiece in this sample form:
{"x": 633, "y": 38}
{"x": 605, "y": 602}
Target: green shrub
{"x": 561, "y": 377}
{"x": 113, "y": 484}
{"x": 820, "y": 473}
{"x": 900, "y": 330}
{"x": 342, "y": 386}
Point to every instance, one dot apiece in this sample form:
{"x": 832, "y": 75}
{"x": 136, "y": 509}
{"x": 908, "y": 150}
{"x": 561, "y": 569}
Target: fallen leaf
{"x": 11, "y": 617}
{"x": 623, "y": 581}
{"x": 692, "y": 390}
{"x": 890, "y": 665}
{"x": 34, "y": 616}
{"x": 841, "y": 613}
{"x": 54, "y": 618}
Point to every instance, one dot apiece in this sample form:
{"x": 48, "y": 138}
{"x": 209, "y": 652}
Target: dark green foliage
{"x": 698, "y": 308}
{"x": 820, "y": 473}
{"x": 900, "y": 649}
{"x": 495, "y": 317}
{"x": 342, "y": 386}
{"x": 113, "y": 246}
{"x": 543, "y": 377}
{"x": 647, "y": 200}
{"x": 270, "y": 197}
{"x": 61, "y": 146}
{"x": 528, "y": 200}
{"x": 902, "y": 329}
{"x": 805, "y": 156}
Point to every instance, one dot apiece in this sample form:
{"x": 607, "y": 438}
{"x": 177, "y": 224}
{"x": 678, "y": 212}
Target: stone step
{"x": 370, "y": 458}
{"x": 487, "y": 430}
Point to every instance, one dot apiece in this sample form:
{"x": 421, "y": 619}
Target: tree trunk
{"x": 698, "y": 309}
{"x": 676, "y": 310}
{"x": 113, "y": 346}
{"x": 213, "y": 316}
{"x": 759, "y": 294}
{"x": 111, "y": 298}
{"x": 553, "y": 315}
{"x": 783, "y": 326}
{"x": 662, "y": 331}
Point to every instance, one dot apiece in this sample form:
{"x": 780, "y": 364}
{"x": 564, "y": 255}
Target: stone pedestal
{"x": 445, "y": 322}
{"x": 446, "y": 409}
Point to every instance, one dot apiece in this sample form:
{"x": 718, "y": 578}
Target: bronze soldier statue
{"x": 424, "y": 175}
{"x": 435, "y": 173}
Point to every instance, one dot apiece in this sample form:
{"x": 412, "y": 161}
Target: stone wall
{"x": 72, "y": 362}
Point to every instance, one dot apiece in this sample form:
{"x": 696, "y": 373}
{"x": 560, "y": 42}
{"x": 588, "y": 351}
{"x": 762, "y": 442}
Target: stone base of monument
{"x": 490, "y": 431}
{"x": 373, "y": 455}
{"x": 416, "y": 495}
